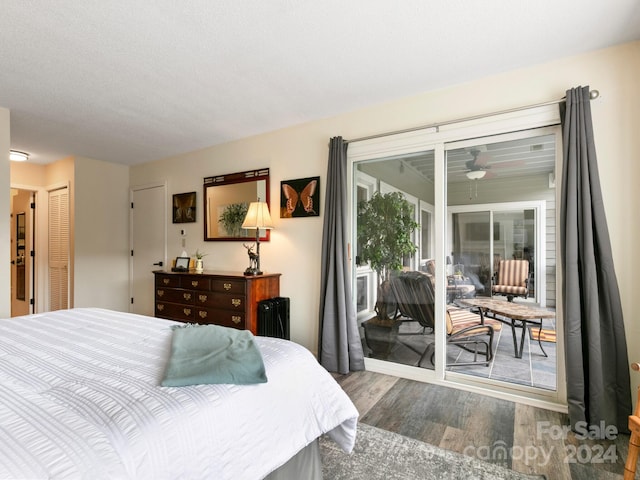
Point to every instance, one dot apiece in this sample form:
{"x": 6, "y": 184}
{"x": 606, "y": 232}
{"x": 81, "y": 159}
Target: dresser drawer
{"x": 167, "y": 280}
{"x": 175, "y": 295}
{"x": 227, "y": 285}
{"x": 225, "y": 318}
{"x": 174, "y": 311}
{"x": 220, "y": 300}
{"x": 197, "y": 283}
{"x": 228, "y": 302}
{"x": 204, "y": 299}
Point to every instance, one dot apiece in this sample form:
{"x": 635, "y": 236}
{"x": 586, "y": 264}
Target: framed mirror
{"x": 226, "y": 200}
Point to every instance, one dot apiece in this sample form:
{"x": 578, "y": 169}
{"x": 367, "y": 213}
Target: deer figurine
{"x": 254, "y": 260}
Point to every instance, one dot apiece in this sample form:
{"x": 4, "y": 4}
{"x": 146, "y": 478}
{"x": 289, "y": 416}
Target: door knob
{"x": 159, "y": 264}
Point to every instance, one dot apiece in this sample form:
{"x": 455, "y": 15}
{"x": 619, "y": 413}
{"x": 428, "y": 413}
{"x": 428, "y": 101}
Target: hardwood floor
{"x": 517, "y": 436}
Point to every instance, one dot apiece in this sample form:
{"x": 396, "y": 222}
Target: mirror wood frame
{"x": 220, "y": 191}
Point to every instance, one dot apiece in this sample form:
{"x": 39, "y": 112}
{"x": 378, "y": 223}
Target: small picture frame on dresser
{"x": 182, "y": 264}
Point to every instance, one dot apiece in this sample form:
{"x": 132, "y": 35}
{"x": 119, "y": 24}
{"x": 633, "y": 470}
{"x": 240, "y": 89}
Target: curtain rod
{"x": 593, "y": 94}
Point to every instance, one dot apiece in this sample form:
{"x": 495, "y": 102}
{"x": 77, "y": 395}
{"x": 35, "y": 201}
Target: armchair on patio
{"x": 414, "y": 295}
{"x": 459, "y": 285}
{"x": 512, "y": 279}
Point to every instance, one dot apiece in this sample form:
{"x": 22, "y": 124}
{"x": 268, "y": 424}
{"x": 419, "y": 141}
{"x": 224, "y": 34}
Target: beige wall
{"x": 301, "y": 151}
{"x": 101, "y": 234}
{"x": 28, "y": 174}
{"x": 5, "y": 237}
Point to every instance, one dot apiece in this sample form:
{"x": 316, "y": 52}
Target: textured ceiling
{"x": 132, "y": 81}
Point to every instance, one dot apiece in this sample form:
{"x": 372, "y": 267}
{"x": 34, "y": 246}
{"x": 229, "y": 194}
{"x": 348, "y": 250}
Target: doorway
{"x": 23, "y": 230}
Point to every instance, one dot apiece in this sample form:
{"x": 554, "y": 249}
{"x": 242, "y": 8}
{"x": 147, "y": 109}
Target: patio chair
{"x": 459, "y": 285}
{"x": 512, "y": 279}
{"x": 414, "y": 295}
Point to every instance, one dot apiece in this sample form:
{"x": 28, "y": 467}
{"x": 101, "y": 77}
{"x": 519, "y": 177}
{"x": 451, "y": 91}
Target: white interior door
{"x": 59, "y": 249}
{"x": 148, "y": 243}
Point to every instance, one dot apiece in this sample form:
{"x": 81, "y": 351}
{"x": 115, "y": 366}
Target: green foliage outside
{"x": 385, "y": 224}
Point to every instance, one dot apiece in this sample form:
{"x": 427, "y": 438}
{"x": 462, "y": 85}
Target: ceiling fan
{"x": 478, "y": 167}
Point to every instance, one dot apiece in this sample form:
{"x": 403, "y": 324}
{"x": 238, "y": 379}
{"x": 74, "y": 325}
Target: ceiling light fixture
{"x": 476, "y": 174}
{"x": 16, "y": 156}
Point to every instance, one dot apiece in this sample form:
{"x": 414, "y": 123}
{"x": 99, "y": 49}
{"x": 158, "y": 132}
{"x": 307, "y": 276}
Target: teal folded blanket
{"x": 210, "y": 354}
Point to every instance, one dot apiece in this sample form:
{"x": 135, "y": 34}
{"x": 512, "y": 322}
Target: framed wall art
{"x": 300, "y": 197}
{"x": 184, "y": 207}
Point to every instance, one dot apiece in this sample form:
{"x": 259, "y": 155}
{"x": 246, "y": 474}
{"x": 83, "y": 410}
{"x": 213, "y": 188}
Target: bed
{"x": 80, "y": 398}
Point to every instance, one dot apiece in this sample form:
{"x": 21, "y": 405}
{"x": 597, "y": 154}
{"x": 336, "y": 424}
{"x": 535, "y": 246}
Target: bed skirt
{"x": 305, "y": 464}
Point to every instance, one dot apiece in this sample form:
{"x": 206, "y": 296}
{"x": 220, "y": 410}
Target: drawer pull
{"x": 166, "y": 281}
{"x": 202, "y": 314}
{"x": 160, "y": 293}
{"x": 194, "y": 283}
{"x": 226, "y": 286}
{"x": 160, "y": 307}
{"x": 236, "y": 302}
{"x": 187, "y": 311}
{"x": 202, "y": 298}
{"x": 236, "y": 319}
{"x": 187, "y": 296}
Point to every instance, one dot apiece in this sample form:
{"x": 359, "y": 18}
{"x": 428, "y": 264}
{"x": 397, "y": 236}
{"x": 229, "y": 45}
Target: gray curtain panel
{"x": 339, "y": 345}
{"x": 597, "y": 366}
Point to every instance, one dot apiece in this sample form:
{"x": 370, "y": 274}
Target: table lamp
{"x": 257, "y": 217}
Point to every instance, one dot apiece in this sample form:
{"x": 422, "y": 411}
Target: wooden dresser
{"x": 223, "y": 298}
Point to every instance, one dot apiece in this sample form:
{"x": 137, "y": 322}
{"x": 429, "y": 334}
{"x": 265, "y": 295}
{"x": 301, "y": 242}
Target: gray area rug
{"x": 379, "y": 454}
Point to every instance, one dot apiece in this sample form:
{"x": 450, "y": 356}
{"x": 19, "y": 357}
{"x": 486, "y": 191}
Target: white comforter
{"x": 79, "y": 398}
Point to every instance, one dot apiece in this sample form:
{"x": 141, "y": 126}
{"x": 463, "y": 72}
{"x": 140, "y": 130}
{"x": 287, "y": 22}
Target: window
{"x": 366, "y": 278}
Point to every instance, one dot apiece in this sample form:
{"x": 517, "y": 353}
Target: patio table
{"x": 517, "y": 315}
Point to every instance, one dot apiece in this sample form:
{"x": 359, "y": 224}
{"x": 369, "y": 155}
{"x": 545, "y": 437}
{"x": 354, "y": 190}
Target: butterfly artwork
{"x": 300, "y": 198}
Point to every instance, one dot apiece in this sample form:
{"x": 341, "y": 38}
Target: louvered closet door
{"x": 58, "y": 249}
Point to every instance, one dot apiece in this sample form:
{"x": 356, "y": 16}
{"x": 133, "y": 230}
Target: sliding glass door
{"x": 515, "y": 239}
{"x": 396, "y": 338}
{"x": 472, "y": 203}
{"x": 501, "y": 207}
{"x": 481, "y": 238}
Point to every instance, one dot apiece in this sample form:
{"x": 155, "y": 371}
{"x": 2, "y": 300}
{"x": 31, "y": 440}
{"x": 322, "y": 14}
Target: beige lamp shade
{"x": 258, "y": 216}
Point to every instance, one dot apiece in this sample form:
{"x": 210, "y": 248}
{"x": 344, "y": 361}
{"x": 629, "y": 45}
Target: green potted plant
{"x": 232, "y": 217}
{"x": 199, "y": 263}
{"x": 385, "y": 224}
